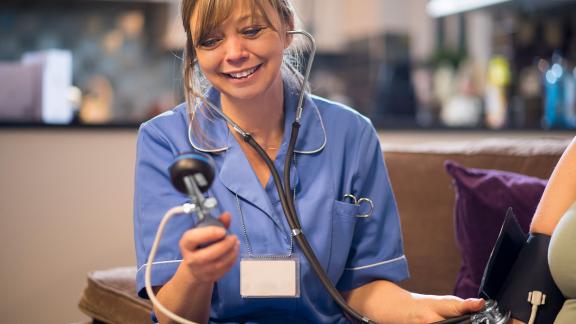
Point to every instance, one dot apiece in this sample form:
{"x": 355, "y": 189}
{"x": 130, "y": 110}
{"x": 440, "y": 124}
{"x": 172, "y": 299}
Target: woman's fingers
{"x": 207, "y": 243}
{"x": 215, "y": 268}
{"x": 445, "y": 307}
{"x": 454, "y": 307}
{"x": 215, "y": 251}
{"x": 228, "y": 259}
{"x": 196, "y": 237}
{"x": 471, "y": 305}
{"x": 209, "y": 252}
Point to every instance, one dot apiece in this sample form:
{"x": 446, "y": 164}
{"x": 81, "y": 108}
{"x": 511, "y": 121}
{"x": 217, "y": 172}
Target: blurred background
{"x": 493, "y": 64}
{"x": 78, "y": 76}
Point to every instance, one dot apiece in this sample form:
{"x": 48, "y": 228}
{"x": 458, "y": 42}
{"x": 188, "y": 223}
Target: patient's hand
{"x": 515, "y": 321}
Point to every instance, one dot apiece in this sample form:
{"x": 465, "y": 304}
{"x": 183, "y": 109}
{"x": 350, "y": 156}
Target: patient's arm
{"x": 559, "y": 194}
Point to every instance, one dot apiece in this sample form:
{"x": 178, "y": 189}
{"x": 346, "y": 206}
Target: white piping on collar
{"x": 323, "y": 132}
{"x": 225, "y": 148}
{"x": 216, "y": 150}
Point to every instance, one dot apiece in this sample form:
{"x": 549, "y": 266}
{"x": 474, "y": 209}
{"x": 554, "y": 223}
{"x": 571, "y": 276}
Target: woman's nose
{"x": 235, "y": 50}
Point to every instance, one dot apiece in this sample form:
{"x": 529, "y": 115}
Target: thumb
{"x": 471, "y": 305}
{"x": 225, "y": 218}
{"x": 454, "y": 306}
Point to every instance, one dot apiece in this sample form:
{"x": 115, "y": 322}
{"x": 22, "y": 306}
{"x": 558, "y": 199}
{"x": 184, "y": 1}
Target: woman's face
{"x": 243, "y": 55}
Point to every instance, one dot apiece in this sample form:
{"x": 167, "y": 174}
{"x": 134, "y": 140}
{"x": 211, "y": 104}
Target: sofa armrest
{"x": 110, "y": 297}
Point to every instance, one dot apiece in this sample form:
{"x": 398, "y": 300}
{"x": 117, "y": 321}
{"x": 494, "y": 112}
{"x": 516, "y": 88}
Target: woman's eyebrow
{"x": 252, "y": 17}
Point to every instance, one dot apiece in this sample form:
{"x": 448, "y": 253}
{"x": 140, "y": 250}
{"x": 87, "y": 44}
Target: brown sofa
{"x": 425, "y": 199}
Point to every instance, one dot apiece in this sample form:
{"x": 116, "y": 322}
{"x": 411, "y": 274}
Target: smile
{"x": 242, "y": 74}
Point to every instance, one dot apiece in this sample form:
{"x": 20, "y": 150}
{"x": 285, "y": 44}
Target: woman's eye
{"x": 252, "y": 31}
{"x": 209, "y": 42}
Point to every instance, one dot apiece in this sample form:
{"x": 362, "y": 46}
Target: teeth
{"x": 242, "y": 74}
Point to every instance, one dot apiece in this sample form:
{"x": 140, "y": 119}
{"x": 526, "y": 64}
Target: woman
{"x": 555, "y": 216}
{"x": 559, "y": 194}
{"x": 239, "y": 46}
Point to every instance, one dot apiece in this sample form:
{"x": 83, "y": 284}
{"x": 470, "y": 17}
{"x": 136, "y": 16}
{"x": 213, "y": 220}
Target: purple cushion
{"x": 482, "y": 198}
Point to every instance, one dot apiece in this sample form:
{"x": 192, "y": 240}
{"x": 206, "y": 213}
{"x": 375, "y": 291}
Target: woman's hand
{"x": 193, "y": 282}
{"x": 437, "y": 308}
{"x": 210, "y": 263}
{"x": 385, "y": 302}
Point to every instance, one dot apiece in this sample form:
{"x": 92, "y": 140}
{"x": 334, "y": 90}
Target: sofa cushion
{"x": 482, "y": 198}
{"x": 110, "y": 297}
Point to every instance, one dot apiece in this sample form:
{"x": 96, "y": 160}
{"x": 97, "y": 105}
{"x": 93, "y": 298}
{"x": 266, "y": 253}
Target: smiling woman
{"x": 237, "y": 49}
{"x": 239, "y": 52}
{"x": 242, "y": 58}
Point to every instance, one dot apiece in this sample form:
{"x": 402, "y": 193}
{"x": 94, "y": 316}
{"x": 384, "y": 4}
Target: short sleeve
{"x": 154, "y": 195}
{"x": 377, "y": 250}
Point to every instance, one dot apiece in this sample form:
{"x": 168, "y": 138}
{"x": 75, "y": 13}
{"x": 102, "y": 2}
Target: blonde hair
{"x": 211, "y": 13}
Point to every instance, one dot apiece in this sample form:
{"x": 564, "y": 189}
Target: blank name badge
{"x": 268, "y": 278}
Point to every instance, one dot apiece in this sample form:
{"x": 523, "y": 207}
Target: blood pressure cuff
{"x": 529, "y": 272}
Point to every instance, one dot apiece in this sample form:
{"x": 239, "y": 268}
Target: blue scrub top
{"x": 337, "y": 153}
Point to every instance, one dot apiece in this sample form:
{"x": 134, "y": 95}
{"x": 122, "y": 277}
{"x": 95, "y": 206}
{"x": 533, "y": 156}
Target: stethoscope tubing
{"x": 311, "y": 57}
{"x": 286, "y": 200}
{"x": 292, "y": 219}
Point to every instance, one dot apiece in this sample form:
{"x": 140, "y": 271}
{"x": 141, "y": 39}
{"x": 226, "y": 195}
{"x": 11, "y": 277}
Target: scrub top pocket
{"x": 344, "y": 217}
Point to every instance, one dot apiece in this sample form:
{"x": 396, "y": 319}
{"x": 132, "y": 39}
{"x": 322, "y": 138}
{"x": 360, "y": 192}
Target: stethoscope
{"x": 286, "y": 200}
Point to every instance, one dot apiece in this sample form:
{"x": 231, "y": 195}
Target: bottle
{"x": 570, "y": 98}
{"x": 496, "y": 99}
{"x": 528, "y": 113}
{"x": 555, "y": 96}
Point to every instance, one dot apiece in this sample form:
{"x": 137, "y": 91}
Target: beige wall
{"x": 65, "y": 209}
